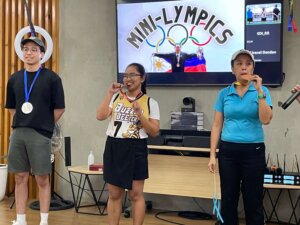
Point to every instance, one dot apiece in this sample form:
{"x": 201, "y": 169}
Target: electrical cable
{"x": 86, "y": 191}
{"x": 191, "y": 215}
{"x": 65, "y": 179}
{"x": 169, "y": 221}
{"x": 76, "y": 185}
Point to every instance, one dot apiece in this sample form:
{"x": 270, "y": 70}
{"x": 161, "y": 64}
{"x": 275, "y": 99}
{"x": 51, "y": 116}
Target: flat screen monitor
{"x": 190, "y": 42}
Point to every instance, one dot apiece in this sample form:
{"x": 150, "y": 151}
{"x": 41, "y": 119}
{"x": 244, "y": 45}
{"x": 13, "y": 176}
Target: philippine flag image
{"x": 160, "y": 65}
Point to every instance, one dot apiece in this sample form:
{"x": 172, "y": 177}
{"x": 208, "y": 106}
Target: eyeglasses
{"x": 32, "y": 50}
{"x": 130, "y": 75}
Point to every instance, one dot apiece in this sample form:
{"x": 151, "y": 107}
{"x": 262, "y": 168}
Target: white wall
{"x": 88, "y": 66}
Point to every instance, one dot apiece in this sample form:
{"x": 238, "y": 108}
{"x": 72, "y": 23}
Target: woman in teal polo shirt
{"x": 240, "y": 111}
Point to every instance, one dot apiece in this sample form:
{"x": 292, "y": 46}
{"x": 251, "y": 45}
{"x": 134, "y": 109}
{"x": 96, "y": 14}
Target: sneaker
{"x": 43, "y": 223}
{"x": 14, "y": 222}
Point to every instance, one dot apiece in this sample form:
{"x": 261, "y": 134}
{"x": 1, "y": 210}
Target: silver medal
{"x": 27, "y": 107}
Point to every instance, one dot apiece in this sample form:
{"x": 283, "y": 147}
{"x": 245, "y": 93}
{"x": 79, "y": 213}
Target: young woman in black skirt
{"x": 133, "y": 116}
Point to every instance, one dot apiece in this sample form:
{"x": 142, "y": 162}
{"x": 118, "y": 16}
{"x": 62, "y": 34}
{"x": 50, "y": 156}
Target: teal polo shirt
{"x": 241, "y": 119}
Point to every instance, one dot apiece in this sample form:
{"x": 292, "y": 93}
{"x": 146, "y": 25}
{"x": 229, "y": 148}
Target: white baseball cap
{"x": 242, "y": 51}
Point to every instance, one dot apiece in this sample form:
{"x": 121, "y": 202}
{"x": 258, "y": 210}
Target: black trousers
{"x": 242, "y": 169}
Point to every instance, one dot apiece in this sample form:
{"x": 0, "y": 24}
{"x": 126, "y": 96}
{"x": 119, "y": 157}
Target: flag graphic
{"x": 160, "y": 65}
{"x": 195, "y": 64}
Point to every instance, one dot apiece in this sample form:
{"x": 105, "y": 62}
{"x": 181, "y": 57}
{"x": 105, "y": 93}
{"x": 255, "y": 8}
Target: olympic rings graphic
{"x": 169, "y": 39}
{"x": 195, "y": 41}
{"x": 189, "y": 35}
{"x": 163, "y": 39}
{"x": 40, "y": 30}
{"x": 186, "y": 31}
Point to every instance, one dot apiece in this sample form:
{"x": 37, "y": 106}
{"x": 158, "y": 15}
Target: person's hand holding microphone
{"x": 295, "y": 95}
{"x": 296, "y": 89}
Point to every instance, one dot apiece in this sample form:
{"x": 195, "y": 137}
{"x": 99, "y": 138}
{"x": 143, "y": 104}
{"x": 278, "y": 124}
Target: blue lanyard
{"x": 27, "y": 93}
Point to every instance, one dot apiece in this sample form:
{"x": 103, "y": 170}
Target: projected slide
{"x": 180, "y": 36}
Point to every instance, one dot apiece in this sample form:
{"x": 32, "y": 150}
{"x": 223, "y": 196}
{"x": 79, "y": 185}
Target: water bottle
{"x": 91, "y": 158}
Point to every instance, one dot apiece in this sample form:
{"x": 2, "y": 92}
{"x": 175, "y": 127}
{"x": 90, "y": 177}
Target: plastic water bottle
{"x": 91, "y": 158}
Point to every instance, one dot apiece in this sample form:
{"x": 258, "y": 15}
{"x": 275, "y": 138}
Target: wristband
{"x": 261, "y": 95}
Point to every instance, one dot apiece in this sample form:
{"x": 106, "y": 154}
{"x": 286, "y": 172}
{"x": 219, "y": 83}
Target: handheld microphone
{"x": 290, "y": 100}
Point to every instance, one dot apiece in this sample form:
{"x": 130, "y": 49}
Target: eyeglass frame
{"x": 130, "y": 75}
{"x": 32, "y": 50}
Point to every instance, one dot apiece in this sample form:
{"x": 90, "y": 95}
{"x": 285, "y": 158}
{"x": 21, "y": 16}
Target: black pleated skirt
{"x": 125, "y": 160}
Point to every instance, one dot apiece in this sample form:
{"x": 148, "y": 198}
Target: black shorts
{"x": 125, "y": 160}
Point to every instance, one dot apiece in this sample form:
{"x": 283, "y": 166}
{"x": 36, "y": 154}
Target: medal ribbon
{"x": 239, "y": 84}
{"x": 216, "y": 201}
{"x": 128, "y": 99}
{"x": 27, "y": 93}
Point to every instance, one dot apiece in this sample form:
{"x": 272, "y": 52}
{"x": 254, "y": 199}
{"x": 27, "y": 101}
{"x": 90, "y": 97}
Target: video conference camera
{"x": 190, "y": 102}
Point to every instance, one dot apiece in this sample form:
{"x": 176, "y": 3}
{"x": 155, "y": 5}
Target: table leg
{"x": 93, "y": 193}
{"x": 293, "y": 208}
{"x": 102, "y": 212}
{"x": 78, "y": 195}
{"x": 273, "y": 205}
{"x": 265, "y": 212}
{"x": 82, "y": 189}
{"x": 72, "y": 188}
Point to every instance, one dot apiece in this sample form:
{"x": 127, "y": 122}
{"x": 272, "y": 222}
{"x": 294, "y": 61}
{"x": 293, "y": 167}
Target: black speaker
{"x": 196, "y": 141}
{"x": 158, "y": 140}
{"x": 67, "y": 151}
